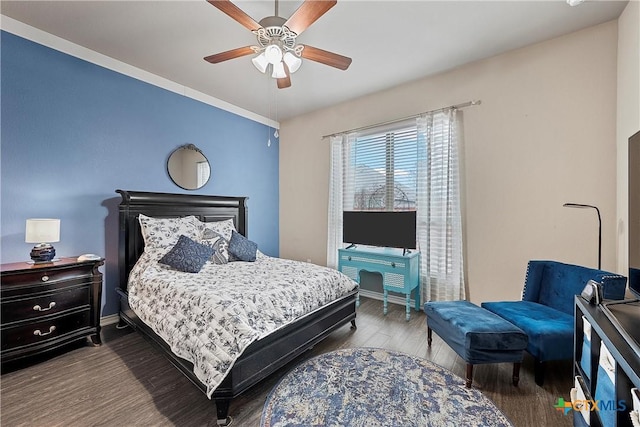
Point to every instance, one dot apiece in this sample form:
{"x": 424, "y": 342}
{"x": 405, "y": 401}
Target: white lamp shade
{"x": 278, "y": 71}
{"x": 260, "y": 62}
{"x": 273, "y": 54}
{"x": 42, "y": 230}
{"x": 293, "y": 62}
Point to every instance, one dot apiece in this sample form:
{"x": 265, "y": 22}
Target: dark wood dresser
{"x": 45, "y": 306}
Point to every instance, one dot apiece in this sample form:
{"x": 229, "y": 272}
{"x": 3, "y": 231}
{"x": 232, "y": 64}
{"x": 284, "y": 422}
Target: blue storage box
{"x": 606, "y": 388}
{"x": 585, "y": 359}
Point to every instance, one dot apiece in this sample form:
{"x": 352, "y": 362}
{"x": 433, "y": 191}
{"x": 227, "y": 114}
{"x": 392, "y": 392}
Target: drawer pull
{"x": 51, "y": 305}
{"x": 393, "y": 265}
{"x": 45, "y": 278}
{"x": 41, "y": 334}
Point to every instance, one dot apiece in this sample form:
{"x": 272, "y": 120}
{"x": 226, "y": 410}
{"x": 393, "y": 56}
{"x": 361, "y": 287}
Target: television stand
{"x": 400, "y": 272}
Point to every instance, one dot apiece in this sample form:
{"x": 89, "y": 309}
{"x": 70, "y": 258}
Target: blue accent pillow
{"x": 241, "y": 249}
{"x": 187, "y": 255}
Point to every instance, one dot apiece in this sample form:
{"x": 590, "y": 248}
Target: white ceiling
{"x": 391, "y": 42}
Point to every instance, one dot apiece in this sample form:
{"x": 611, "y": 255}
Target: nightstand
{"x": 45, "y": 306}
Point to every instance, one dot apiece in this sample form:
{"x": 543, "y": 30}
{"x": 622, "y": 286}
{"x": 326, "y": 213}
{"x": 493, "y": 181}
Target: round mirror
{"x": 188, "y": 167}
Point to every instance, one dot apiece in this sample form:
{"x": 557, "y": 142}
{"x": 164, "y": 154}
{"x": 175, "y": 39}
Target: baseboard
{"x": 109, "y": 320}
{"x": 394, "y": 299}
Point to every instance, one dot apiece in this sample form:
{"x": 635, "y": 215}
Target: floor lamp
{"x": 581, "y": 206}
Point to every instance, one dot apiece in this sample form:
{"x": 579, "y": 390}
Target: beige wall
{"x": 628, "y": 116}
{"x": 544, "y": 135}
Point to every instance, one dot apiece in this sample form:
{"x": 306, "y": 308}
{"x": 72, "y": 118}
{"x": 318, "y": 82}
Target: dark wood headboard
{"x": 165, "y": 205}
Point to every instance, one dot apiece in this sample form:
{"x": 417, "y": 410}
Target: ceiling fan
{"x": 276, "y": 38}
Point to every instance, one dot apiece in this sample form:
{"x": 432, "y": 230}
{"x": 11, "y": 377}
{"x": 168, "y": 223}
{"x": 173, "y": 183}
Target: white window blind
{"x": 385, "y": 169}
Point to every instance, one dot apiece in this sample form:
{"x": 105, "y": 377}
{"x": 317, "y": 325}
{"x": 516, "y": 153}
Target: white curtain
{"x": 439, "y": 221}
{"x": 341, "y": 190}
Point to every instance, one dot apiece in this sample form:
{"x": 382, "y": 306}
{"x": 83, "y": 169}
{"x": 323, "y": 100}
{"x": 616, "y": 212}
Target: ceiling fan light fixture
{"x": 261, "y": 62}
{"x": 278, "y": 71}
{"x": 273, "y": 53}
{"x": 292, "y": 61}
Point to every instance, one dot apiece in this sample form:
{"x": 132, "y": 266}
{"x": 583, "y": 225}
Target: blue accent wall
{"x": 74, "y": 132}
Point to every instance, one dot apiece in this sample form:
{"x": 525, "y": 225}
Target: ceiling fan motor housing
{"x": 273, "y": 31}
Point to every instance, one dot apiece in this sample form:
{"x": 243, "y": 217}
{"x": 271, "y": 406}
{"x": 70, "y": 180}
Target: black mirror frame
{"x": 179, "y": 149}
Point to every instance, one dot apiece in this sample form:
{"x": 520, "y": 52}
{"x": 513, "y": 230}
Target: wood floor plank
{"x": 128, "y": 382}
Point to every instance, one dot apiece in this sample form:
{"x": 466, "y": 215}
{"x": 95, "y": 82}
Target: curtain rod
{"x": 456, "y": 107}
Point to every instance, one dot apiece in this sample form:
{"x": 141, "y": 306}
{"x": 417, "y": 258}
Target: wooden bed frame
{"x": 262, "y": 357}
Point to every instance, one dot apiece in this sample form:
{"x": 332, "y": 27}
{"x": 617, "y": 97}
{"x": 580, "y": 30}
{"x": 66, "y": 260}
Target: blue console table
{"x": 400, "y": 273}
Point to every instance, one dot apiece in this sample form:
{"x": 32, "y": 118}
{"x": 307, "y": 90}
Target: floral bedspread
{"x": 209, "y": 318}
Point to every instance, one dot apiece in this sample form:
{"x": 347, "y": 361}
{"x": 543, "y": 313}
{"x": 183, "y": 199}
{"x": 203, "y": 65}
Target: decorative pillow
{"x": 223, "y": 228}
{"x": 219, "y": 244}
{"x": 241, "y": 248}
{"x": 164, "y": 232}
{"x": 187, "y": 255}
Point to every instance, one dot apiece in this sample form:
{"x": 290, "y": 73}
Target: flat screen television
{"x": 377, "y": 228}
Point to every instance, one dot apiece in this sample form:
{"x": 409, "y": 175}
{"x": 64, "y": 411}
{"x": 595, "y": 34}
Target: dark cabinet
{"x": 44, "y": 306}
{"x": 606, "y": 364}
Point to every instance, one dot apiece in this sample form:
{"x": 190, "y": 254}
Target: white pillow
{"x": 164, "y": 232}
{"x": 217, "y": 234}
{"x": 223, "y": 228}
{"x": 219, "y": 244}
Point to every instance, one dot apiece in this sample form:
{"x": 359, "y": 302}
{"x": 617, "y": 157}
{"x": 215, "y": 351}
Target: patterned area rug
{"x": 374, "y": 387}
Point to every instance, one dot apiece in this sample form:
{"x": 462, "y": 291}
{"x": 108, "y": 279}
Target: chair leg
{"x": 516, "y": 373}
{"x": 539, "y": 372}
{"x": 469, "y": 375}
{"x": 429, "y": 336}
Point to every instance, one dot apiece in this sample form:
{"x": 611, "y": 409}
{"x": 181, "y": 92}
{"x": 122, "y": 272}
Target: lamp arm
{"x": 580, "y": 205}
{"x": 599, "y": 239}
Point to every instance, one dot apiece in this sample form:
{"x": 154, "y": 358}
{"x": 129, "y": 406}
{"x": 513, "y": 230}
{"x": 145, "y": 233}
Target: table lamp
{"x": 42, "y": 231}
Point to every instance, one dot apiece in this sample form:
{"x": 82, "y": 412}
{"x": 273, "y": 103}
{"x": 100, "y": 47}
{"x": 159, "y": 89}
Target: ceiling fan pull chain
{"x": 275, "y": 97}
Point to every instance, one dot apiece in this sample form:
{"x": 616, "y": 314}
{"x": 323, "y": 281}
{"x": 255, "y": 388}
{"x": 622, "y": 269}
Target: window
{"x": 410, "y": 166}
{"x": 384, "y": 165}
{"x": 202, "y": 171}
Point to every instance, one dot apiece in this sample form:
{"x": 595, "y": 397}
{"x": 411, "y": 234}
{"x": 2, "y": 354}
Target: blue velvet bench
{"x": 477, "y": 335}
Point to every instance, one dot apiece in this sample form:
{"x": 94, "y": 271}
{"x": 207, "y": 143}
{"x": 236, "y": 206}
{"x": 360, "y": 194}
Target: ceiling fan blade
{"x": 230, "y": 54}
{"x": 235, "y": 13}
{"x": 307, "y": 14}
{"x": 285, "y": 81}
{"x": 325, "y": 57}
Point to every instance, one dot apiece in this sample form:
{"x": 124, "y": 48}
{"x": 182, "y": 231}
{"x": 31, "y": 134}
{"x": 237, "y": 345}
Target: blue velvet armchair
{"x": 545, "y": 313}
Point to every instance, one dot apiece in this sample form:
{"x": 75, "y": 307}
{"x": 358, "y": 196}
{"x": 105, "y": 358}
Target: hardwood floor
{"x": 127, "y": 382}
